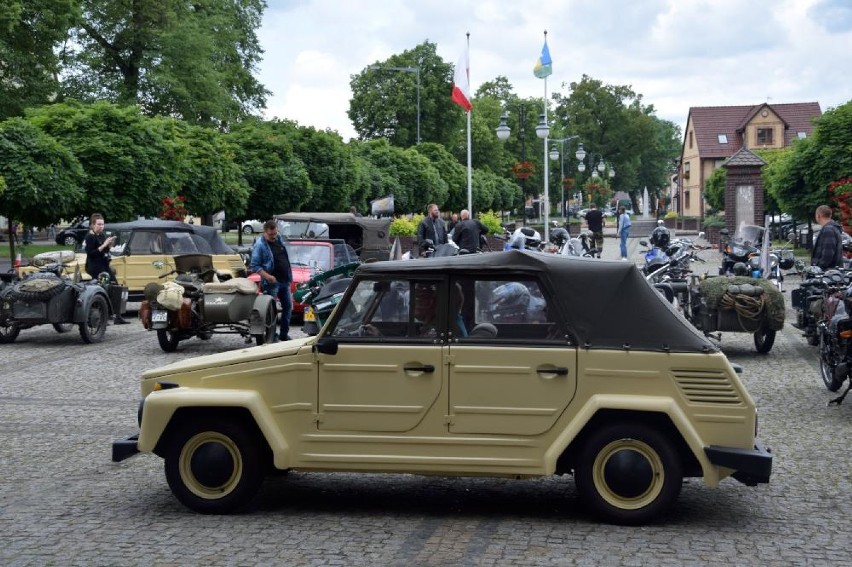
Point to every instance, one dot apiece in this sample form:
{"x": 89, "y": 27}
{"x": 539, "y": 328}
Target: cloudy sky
{"x": 676, "y": 53}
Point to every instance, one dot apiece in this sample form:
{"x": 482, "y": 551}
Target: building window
{"x": 686, "y": 200}
{"x": 718, "y": 163}
{"x": 686, "y": 170}
{"x": 723, "y": 138}
{"x": 764, "y": 136}
{"x": 690, "y": 139}
{"x": 802, "y": 135}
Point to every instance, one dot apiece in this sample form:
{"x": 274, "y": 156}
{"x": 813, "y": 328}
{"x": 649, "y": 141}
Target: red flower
{"x": 173, "y": 208}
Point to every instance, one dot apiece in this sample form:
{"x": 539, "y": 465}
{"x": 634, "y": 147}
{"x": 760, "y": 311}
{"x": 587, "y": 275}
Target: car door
{"x": 387, "y": 373}
{"x": 143, "y": 260}
{"x": 511, "y": 369}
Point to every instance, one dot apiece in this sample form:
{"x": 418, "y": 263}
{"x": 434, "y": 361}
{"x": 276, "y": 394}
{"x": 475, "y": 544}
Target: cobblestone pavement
{"x": 62, "y": 502}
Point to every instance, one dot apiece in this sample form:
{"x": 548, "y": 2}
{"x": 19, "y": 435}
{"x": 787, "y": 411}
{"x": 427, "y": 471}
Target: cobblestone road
{"x": 62, "y": 502}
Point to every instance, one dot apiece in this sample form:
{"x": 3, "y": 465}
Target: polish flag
{"x": 461, "y": 82}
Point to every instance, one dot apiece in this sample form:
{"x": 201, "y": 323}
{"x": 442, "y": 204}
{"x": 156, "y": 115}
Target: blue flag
{"x": 544, "y": 65}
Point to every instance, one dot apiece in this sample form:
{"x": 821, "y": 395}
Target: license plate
{"x": 159, "y": 316}
{"x": 309, "y": 314}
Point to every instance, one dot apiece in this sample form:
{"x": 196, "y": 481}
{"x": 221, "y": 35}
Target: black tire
{"x": 764, "y": 338}
{"x": 270, "y": 321}
{"x": 63, "y": 327}
{"x": 70, "y": 240}
{"x": 247, "y": 229}
{"x": 827, "y": 364}
{"x": 93, "y": 329}
{"x": 628, "y": 473}
{"x": 168, "y": 340}
{"x": 214, "y": 465}
{"x": 9, "y": 332}
{"x": 812, "y": 340}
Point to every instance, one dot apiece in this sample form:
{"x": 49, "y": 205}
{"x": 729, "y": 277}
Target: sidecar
{"x": 46, "y": 297}
{"x": 197, "y": 304}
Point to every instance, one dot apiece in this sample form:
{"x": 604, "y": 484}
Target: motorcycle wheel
{"x": 764, "y": 338}
{"x": 827, "y": 365}
{"x": 62, "y": 327}
{"x": 94, "y": 328}
{"x": 269, "y": 325}
{"x": 9, "y": 332}
{"x": 812, "y": 340}
{"x": 168, "y": 340}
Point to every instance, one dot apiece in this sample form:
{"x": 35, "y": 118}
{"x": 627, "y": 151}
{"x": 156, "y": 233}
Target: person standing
{"x": 595, "y": 222}
{"x": 97, "y": 246}
{"x": 828, "y": 248}
{"x": 467, "y": 232}
{"x": 623, "y": 231}
{"x": 454, "y": 220}
{"x": 432, "y": 227}
{"x": 269, "y": 260}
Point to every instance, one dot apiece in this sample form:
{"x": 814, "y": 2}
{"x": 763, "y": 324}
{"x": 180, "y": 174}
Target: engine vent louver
{"x": 706, "y": 387}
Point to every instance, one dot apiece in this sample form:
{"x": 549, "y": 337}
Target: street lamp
{"x": 542, "y": 130}
{"x": 416, "y": 71}
{"x": 554, "y": 155}
{"x": 503, "y": 131}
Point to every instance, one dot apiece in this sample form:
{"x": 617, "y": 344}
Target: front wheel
{"x": 168, "y": 340}
{"x": 94, "y": 328}
{"x": 764, "y": 338}
{"x": 214, "y": 465}
{"x": 247, "y": 229}
{"x": 827, "y": 364}
{"x": 269, "y": 326}
{"x": 8, "y": 332}
{"x": 70, "y": 241}
{"x": 628, "y": 473}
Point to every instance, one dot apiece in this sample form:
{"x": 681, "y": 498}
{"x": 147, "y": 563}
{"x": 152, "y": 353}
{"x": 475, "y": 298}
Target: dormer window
{"x": 802, "y": 135}
{"x": 764, "y": 136}
{"x": 723, "y": 138}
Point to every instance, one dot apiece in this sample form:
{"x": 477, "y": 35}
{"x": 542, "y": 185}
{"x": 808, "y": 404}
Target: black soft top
{"x": 208, "y": 233}
{"x": 607, "y": 305}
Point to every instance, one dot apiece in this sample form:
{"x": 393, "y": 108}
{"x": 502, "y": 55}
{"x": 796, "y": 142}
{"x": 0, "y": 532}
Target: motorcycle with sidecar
{"x": 197, "y": 304}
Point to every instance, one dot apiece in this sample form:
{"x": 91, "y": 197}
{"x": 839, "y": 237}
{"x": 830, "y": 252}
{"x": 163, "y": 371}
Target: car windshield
{"x": 303, "y": 229}
{"x": 313, "y": 255}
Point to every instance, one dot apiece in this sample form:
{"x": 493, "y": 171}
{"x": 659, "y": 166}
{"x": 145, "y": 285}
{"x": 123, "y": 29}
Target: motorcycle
{"x": 835, "y": 342}
{"x": 745, "y": 245}
{"x": 576, "y": 246}
{"x": 523, "y": 238}
{"x": 321, "y": 294}
{"x": 811, "y": 298}
{"x": 196, "y": 304}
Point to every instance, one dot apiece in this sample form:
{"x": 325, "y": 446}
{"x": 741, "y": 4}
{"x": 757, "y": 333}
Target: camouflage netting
{"x": 713, "y": 290}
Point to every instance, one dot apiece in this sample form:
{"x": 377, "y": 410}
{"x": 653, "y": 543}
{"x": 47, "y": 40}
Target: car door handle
{"x": 558, "y": 371}
{"x": 425, "y": 368}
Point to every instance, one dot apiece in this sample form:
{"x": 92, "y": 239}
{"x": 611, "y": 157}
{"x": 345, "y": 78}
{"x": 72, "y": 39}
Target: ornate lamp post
{"x": 554, "y": 155}
{"x": 521, "y": 171}
{"x": 542, "y": 130}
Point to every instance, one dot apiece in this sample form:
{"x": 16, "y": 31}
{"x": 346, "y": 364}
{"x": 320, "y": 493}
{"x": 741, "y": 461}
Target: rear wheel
{"x": 8, "y": 332}
{"x": 827, "y": 364}
{"x": 70, "y": 241}
{"x": 214, "y": 466}
{"x": 764, "y": 338}
{"x": 94, "y": 328}
{"x": 168, "y": 340}
{"x": 63, "y": 327}
{"x": 247, "y": 229}
{"x": 269, "y": 326}
{"x": 628, "y": 473}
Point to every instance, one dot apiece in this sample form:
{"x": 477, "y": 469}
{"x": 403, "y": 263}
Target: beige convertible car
{"x": 512, "y": 364}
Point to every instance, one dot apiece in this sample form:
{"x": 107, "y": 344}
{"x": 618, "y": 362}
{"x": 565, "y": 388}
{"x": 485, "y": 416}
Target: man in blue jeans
{"x": 270, "y": 261}
{"x": 623, "y": 231}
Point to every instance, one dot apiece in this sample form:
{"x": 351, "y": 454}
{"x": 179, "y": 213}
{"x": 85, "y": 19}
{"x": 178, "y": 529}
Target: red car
{"x": 309, "y": 257}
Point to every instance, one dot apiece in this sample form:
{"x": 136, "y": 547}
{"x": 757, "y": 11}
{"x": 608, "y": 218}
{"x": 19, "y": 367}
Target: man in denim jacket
{"x": 270, "y": 261}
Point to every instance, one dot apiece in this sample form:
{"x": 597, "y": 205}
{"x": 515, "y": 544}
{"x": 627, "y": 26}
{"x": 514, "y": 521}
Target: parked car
{"x": 247, "y": 227}
{"x": 73, "y": 235}
{"x": 506, "y": 365}
{"x": 368, "y": 236}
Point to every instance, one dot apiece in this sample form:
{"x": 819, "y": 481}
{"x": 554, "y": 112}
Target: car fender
{"x": 650, "y": 404}
{"x": 87, "y": 294}
{"x": 160, "y": 407}
{"x": 258, "y": 312}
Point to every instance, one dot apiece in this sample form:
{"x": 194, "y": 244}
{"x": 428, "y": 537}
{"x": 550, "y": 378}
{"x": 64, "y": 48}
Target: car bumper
{"x": 125, "y": 448}
{"x": 752, "y": 466}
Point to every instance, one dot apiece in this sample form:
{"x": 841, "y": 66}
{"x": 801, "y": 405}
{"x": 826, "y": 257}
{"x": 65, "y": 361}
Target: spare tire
{"x": 39, "y": 286}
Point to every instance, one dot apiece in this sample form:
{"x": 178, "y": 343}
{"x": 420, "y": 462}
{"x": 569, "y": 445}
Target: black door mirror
{"x": 326, "y": 345}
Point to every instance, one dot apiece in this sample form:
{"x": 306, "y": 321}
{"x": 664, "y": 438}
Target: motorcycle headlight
{"x": 754, "y": 262}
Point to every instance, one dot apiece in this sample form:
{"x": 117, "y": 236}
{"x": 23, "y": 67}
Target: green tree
{"x": 384, "y": 102}
{"x": 451, "y": 171}
{"x": 714, "y": 189}
{"x": 42, "y": 178}
{"x": 30, "y": 35}
{"x": 189, "y": 59}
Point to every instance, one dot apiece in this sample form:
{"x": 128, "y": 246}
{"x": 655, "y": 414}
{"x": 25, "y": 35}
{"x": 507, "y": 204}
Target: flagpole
{"x": 469, "y": 156}
{"x": 546, "y": 174}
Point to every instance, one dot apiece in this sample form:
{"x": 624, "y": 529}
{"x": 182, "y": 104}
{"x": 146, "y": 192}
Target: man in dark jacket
{"x": 828, "y": 248}
{"x": 468, "y": 231}
{"x": 595, "y": 220}
{"x": 432, "y": 227}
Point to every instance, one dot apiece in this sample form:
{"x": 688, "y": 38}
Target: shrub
{"x": 402, "y": 226}
{"x": 492, "y": 221}
{"x": 714, "y": 221}
{"x": 671, "y": 215}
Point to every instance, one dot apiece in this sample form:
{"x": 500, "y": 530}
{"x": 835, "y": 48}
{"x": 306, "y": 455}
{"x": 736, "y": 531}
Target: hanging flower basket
{"x": 841, "y": 194}
{"x": 523, "y": 169}
{"x": 568, "y": 182}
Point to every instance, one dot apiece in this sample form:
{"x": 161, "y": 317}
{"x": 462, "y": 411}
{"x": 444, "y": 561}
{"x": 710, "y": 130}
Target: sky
{"x": 675, "y": 53}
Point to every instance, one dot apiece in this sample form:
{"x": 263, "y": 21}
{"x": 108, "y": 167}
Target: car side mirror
{"x": 326, "y": 345}
{"x": 643, "y": 242}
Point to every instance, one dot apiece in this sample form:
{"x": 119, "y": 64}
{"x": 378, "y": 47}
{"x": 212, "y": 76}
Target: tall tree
{"x": 30, "y": 33}
{"x": 384, "y": 101}
{"x": 193, "y": 60}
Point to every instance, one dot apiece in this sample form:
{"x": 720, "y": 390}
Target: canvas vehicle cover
{"x": 605, "y": 305}
{"x": 368, "y": 236}
{"x": 206, "y": 238}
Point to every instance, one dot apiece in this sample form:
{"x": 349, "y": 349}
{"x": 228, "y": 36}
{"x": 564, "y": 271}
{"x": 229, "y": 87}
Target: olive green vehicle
{"x": 512, "y": 364}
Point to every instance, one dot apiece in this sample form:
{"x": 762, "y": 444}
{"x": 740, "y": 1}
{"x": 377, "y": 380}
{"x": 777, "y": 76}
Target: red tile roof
{"x": 710, "y": 121}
